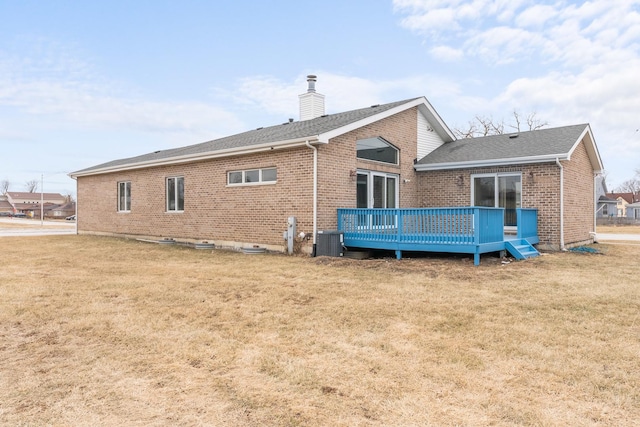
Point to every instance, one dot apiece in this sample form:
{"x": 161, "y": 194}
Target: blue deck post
{"x": 399, "y": 216}
{"x": 476, "y": 234}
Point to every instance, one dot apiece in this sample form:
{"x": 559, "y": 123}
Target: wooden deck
{"x": 472, "y": 230}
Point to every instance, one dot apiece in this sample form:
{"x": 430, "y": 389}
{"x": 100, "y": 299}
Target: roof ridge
{"x": 288, "y": 131}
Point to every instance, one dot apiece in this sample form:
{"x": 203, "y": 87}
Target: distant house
{"x": 60, "y": 211}
{"x": 29, "y": 203}
{"x": 633, "y": 211}
{"x": 239, "y": 190}
{"x": 5, "y": 206}
{"x": 607, "y": 207}
{"x": 622, "y": 200}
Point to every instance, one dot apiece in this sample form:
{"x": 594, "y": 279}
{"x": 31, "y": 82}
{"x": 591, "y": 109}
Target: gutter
{"x": 315, "y": 194}
{"x": 562, "y": 248}
{"x": 491, "y": 162}
{"x": 173, "y": 160}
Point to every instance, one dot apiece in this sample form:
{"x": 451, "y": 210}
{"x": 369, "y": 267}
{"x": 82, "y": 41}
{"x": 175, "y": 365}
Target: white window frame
{"x": 127, "y": 196}
{"x": 370, "y": 190}
{"x": 176, "y": 179}
{"x": 496, "y": 194}
{"x": 244, "y": 182}
{"x": 384, "y": 141}
{"x": 370, "y": 197}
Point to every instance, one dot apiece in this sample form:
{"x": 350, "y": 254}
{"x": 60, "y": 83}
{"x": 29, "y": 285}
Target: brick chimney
{"x": 311, "y": 103}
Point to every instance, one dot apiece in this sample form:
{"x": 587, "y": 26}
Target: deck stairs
{"x": 521, "y": 249}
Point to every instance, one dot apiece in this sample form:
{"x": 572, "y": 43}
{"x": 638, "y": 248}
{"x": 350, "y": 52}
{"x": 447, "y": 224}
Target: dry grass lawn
{"x": 619, "y": 229}
{"x": 101, "y": 331}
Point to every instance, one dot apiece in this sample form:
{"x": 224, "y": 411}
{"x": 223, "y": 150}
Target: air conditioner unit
{"x": 329, "y": 243}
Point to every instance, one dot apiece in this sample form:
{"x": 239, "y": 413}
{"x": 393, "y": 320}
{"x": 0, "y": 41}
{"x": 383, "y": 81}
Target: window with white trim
{"x": 252, "y": 176}
{"x": 124, "y": 196}
{"x": 175, "y": 194}
{"x": 377, "y": 149}
{"x": 376, "y": 189}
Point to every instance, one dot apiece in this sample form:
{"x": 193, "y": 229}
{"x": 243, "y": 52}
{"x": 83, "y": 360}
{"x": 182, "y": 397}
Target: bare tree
{"x": 531, "y": 121}
{"x": 629, "y": 186}
{"x": 485, "y": 126}
{"x": 32, "y": 186}
{"x": 4, "y": 186}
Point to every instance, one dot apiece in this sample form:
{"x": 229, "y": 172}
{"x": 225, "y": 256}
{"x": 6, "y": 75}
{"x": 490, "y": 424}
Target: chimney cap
{"x": 311, "y": 79}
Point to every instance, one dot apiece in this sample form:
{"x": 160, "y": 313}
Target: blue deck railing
{"x": 528, "y": 224}
{"x": 473, "y": 230}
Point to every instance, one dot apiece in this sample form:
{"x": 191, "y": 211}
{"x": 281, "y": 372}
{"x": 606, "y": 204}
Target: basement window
{"x": 252, "y": 177}
{"x": 377, "y": 149}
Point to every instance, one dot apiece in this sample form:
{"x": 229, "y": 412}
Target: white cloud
{"x": 446, "y": 53}
{"x": 503, "y": 45}
{"x": 51, "y": 84}
{"x": 570, "y": 62}
{"x": 342, "y": 93}
{"x": 536, "y": 16}
{"x": 563, "y": 30}
{"x": 431, "y": 21}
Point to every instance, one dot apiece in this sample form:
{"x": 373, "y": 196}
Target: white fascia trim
{"x": 200, "y": 156}
{"x": 443, "y": 130}
{"x": 325, "y": 137}
{"x": 492, "y": 162}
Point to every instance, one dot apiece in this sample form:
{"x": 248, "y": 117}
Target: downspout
{"x": 595, "y": 204}
{"x": 75, "y": 178}
{"x": 315, "y": 195}
{"x": 561, "y": 204}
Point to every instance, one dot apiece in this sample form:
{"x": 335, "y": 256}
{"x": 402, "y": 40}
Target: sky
{"x": 86, "y": 82}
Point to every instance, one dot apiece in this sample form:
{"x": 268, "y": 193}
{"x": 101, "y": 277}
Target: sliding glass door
{"x": 500, "y": 191}
{"x": 377, "y": 190}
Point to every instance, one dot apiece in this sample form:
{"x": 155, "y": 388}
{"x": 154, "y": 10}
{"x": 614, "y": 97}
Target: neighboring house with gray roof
{"x": 238, "y": 191}
{"x": 606, "y": 207}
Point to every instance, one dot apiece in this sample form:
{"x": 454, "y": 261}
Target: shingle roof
{"x": 284, "y": 132}
{"x": 33, "y": 195}
{"x": 531, "y": 144}
{"x": 628, "y": 197}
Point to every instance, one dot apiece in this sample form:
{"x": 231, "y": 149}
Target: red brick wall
{"x": 245, "y": 215}
{"x": 231, "y": 216}
{"x": 338, "y": 164}
{"x": 540, "y": 190}
{"x": 579, "y": 203}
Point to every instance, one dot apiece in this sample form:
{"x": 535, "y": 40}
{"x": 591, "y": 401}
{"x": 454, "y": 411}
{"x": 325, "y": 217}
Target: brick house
{"x": 238, "y": 191}
{"x": 54, "y": 205}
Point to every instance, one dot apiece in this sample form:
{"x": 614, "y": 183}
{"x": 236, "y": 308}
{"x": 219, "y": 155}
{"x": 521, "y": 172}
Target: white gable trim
{"x": 591, "y": 147}
{"x": 422, "y": 103}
